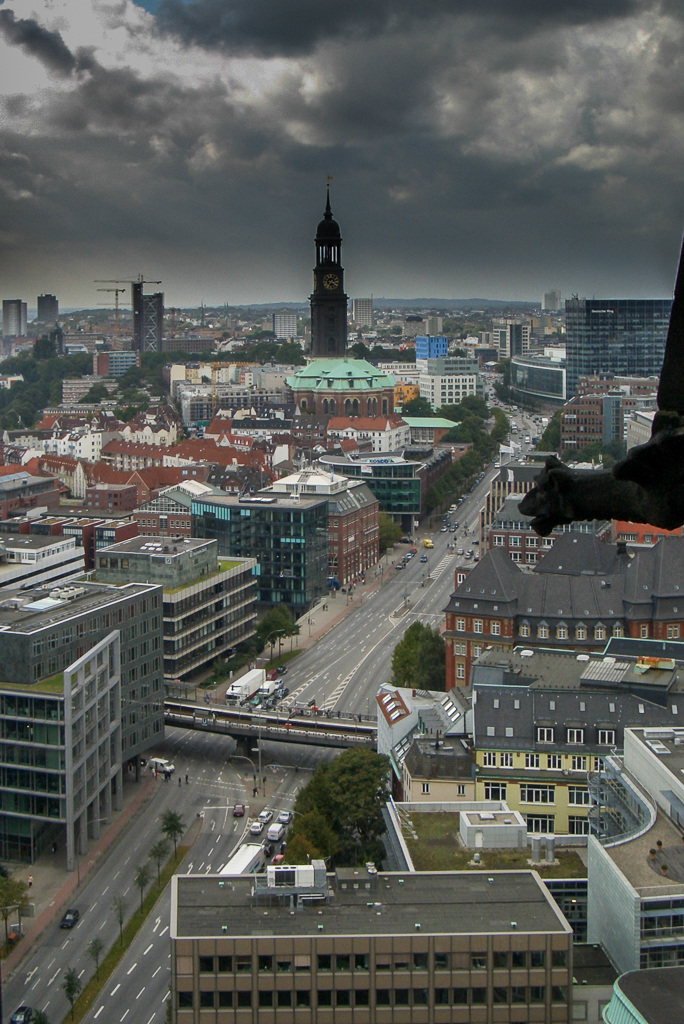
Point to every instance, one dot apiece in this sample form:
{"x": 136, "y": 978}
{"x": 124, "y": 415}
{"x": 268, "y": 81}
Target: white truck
{"x": 240, "y": 690}
{"x": 268, "y": 687}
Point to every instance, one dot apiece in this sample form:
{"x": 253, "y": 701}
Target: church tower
{"x": 328, "y": 301}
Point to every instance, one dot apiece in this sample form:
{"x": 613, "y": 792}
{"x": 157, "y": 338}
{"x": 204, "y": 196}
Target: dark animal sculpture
{"x": 645, "y": 487}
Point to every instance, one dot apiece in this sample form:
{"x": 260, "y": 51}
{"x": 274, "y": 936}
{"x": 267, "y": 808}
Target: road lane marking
{"x": 53, "y": 977}
{"x": 157, "y": 971}
{"x": 165, "y": 930}
{"x": 148, "y": 948}
{"x": 140, "y": 992}
{"x": 96, "y": 1015}
{"x": 131, "y": 969}
{"x": 125, "y": 1015}
{"x": 115, "y": 990}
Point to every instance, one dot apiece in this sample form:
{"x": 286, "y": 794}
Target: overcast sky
{"x": 478, "y": 148}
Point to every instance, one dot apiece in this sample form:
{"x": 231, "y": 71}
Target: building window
{"x": 575, "y": 736}
{"x": 618, "y": 630}
{"x": 524, "y": 629}
{"x": 495, "y": 790}
{"x": 537, "y": 794}
{"x": 540, "y": 822}
{"x": 554, "y": 762}
{"x": 581, "y": 633}
{"x": 514, "y": 541}
{"x": 499, "y": 541}
{"x": 562, "y": 633}
{"x": 600, "y": 632}
{"x": 477, "y": 650}
{"x": 578, "y": 825}
{"x": 531, "y": 760}
{"x": 544, "y": 734}
{"x": 460, "y": 670}
{"x": 489, "y": 759}
{"x": 578, "y": 795}
{"x": 579, "y": 763}
{"x": 496, "y": 628}
{"x": 477, "y": 625}
{"x": 543, "y": 631}
{"x": 672, "y": 632}
{"x": 606, "y": 737}
{"x": 643, "y": 632}
{"x": 460, "y": 625}
{"x": 506, "y": 760}
{"x": 426, "y": 787}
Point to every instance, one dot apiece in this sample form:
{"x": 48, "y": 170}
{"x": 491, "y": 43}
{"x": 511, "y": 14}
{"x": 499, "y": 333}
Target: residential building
{"x": 114, "y": 363}
{"x": 428, "y": 430}
{"x": 74, "y": 390}
{"x": 641, "y": 534}
{"x": 48, "y": 308}
{"x": 412, "y": 326}
{"x": 388, "y": 433}
{"x": 369, "y": 946}
{"x": 148, "y": 318}
{"x": 620, "y": 336}
{"x": 552, "y": 301}
{"x": 13, "y": 318}
{"x": 544, "y": 719}
{"x": 581, "y": 593}
{"x": 437, "y": 769}
{"x": 168, "y": 514}
{"x": 108, "y": 498}
{"x": 209, "y": 603}
{"x": 284, "y": 325}
{"x": 49, "y": 637}
{"x": 287, "y": 535}
{"x": 362, "y": 312}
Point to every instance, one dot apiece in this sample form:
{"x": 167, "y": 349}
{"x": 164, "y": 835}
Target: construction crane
{"x": 117, "y": 292}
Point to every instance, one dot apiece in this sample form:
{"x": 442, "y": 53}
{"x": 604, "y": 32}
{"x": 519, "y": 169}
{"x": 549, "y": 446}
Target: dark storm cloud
{"x": 48, "y": 47}
{"x": 296, "y": 27}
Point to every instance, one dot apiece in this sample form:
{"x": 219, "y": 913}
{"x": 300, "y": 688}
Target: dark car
{"x": 285, "y": 691}
{"x": 22, "y": 1015}
{"x": 423, "y": 558}
{"x": 405, "y": 540}
{"x": 69, "y": 918}
{"x": 239, "y": 811}
{"x": 281, "y": 670}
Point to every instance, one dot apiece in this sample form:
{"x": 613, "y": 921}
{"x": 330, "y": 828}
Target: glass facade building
{"x": 287, "y": 536}
{"x": 622, "y": 336}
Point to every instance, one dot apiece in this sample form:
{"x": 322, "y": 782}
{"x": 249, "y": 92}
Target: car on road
{"x": 279, "y": 858}
{"x": 443, "y": 529}
{"x": 281, "y": 670}
{"x": 285, "y": 817}
{"x": 256, "y": 828}
{"x": 69, "y": 918}
{"x": 239, "y": 811}
{"x": 265, "y": 816}
{"x": 399, "y": 565}
{"x": 405, "y": 540}
{"x": 22, "y": 1015}
{"x": 285, "y": 691}
{"x": 423, "y": 558}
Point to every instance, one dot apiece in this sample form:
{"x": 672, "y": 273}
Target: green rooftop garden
{"x": 434, "y": 845}
{"x": 50, "y": 684}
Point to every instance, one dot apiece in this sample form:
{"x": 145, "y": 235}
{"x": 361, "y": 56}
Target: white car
{"x": 256, "y": 828}
{"x": 265, "y": 816}
{"x": 285, "y": 817}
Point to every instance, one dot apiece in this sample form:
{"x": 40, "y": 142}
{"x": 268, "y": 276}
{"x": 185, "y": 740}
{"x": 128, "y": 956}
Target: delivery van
{"x": 427, "y": 543}
{"x": 275, "y": 832}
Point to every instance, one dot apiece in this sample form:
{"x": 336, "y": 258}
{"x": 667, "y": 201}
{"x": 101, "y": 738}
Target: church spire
{"x": 328, "y": 300}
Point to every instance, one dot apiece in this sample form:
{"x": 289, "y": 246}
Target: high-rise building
{"x": 48, "y": 308}
{"x": 328, "y": 300}
{"x": 148, "y": 319}
{"x": 552, "y": 301}
{"x": 621, "y": 336}
{"x": 285, "y": 325}
{"x": 362, "y": 312}
{"x": 13, "y": 318}
{"x": 429, "y": 347}
{"x": 511, "y": 337}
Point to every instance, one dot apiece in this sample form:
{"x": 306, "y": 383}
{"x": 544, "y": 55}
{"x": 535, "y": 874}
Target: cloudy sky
{"x": 491, "y": 148}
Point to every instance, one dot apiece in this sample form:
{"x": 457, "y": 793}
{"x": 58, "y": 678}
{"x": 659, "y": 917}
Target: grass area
{"x": 50, "y": 684}
{"x": 111, "y": 960}
{"x": 436, "y": 847}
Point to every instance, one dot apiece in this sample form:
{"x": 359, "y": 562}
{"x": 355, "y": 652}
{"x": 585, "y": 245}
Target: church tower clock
{"x": 328, "y": 301}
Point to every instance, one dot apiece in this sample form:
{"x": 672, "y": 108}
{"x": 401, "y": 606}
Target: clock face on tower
{"x": 331, "y": 281}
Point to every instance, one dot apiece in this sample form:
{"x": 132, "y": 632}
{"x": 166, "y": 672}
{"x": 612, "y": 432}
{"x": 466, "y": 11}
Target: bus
{"x": 248, "y": 859}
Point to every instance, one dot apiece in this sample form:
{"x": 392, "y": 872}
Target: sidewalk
{"x": 53, "y": 886}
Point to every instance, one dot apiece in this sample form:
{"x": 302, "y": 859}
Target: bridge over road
{"x": 285, "y": 727}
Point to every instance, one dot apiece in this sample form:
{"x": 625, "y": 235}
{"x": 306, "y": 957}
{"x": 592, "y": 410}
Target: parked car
{"x": 22, "y": 1015}
{"x": 239, "y": 811}
{"x": 399, "y": 565}
{"x": 69, "y": 918}
{"x": 256, "y": 828}
{"x": 265, "y": 816}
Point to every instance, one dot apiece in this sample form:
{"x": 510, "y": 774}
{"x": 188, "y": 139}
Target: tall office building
{"x": 148, "y": 319}
{"x": 362, "y": 312}
{"x": 285, "y": 325}
{"x": 13, "y": 318}
{"x": 552, "y": 301}
{"x": 511, "y": 337}
{"x": 48, "y": 308}
{"x": 621, "y": 336}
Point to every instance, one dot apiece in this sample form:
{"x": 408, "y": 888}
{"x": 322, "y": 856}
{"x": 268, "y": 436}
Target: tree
{"x": 141, "y": 879}
{"x": 417, "y": 407}
{"x": 43, "y": 348}
{"x": 119, "y": 908}
{"x": 40, "y": 1017}
{"x": 419, "y": 659}
{"x": 550, "y": 439}
{"x": 349, "y": 793}
{"x": 172, "y": 827}
{"x": 13, "y": 896}
{"x": 389, "y": 532}
{"x": 159, "y": 852}
{"x": 94, "y": 951}
{"x": 71, "y": 986}
{"x": 276, "y": 623}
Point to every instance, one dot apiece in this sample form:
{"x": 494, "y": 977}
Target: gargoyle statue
{"x": 645, "y": 487}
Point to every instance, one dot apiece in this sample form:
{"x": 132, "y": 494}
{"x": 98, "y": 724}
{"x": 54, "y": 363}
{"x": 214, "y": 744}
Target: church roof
{"x": 339, "y": 375}
{"x": 328, "y": 228}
